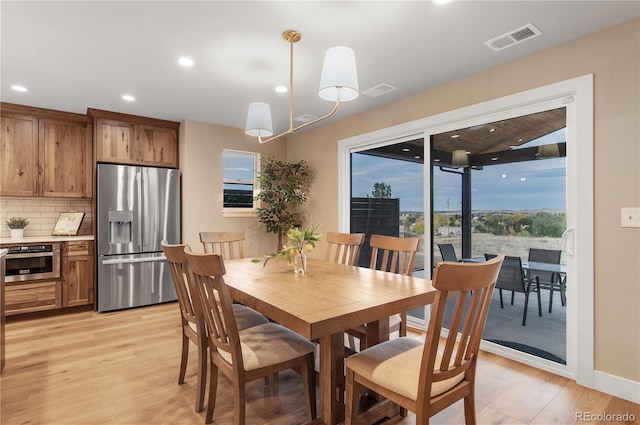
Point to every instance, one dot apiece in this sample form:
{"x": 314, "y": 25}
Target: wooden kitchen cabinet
{"x": 30, "y": 297}
{"x": 129, "y": 139}
{"x": 77, "y": 273}
{"x": 45, "y": 153}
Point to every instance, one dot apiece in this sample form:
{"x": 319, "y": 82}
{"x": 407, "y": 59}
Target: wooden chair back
{"x": 177, "y": 260}
{"x": 216, "y": 304}
{"x": 344, "y": 248}
{"x": 193, "y": 328}
{"x": 393, "y": 254}
{"x": 230, "y": 245}
{"x": 471, "y": 286}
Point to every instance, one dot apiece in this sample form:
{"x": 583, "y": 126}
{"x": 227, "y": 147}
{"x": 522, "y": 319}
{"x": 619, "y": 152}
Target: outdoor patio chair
{"x": 511, "y": 278}
{"x": 548, "y": 280}
{"x": 448, "y": 252}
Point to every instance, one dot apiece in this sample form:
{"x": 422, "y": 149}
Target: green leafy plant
{"x": 17, "y": 223}
{"x": 299, "y": 240}
{"x": 283, "y": 192}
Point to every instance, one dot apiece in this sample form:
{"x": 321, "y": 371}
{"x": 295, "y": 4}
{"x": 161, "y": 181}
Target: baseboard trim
{"x": 617, "y": 386}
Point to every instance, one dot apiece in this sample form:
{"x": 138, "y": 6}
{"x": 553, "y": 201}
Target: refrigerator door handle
{"x": 140, "y": 177}
{"x": 135, "y": 260}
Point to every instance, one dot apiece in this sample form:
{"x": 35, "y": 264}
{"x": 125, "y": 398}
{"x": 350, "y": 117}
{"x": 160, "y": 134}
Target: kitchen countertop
{"x": 45, "y": 239}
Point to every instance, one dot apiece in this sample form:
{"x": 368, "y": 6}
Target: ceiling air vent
{"x": 514, "y": 37}
{"x": 305, "y": 118}
{"x": 379, "y": 90}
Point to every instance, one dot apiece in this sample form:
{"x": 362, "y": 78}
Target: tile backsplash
{"x": 43, "y": 213}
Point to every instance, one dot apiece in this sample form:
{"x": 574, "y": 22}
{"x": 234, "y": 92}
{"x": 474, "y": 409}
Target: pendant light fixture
{"x": 338, "y": 83}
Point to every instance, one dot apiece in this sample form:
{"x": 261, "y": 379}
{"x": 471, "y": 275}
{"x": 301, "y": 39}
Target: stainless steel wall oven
{"x": 31, "y": 262}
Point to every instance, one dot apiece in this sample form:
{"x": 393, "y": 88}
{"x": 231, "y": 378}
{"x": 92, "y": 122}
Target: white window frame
{"x": 236, "y": 211}
{"x": 577, "y": 95}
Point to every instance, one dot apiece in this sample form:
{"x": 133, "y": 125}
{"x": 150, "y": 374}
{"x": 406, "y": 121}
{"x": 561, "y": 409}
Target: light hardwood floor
{"x": 122, "y": 368}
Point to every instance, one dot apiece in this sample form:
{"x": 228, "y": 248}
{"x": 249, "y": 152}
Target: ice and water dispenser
{"x": 120, "y": 227}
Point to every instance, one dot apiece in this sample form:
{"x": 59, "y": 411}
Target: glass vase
{"x": 300, "y": 262}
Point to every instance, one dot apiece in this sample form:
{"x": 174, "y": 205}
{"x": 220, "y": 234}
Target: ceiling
{"x": 500, "y": 142}
{"x": 87, "y": 54}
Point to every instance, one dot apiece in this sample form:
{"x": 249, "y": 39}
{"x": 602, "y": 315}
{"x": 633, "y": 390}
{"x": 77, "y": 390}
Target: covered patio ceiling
{"x": 489, "y": 144}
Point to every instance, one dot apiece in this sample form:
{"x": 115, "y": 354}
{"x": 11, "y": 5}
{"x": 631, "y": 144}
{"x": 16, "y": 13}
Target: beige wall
{"x": 613, "y": 56}
{"x": 201, "y": 148}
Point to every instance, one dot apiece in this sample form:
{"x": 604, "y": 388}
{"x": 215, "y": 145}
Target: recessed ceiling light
{"x": 436, "y": 160}
{"x": 185, "y": 61}
{"x": 492, "y": 130}
{"x": 417, "y": 156}
{"x": 19, "y": 88}
{"x": 454, "y": 136}
{"x": 495, "y": 158}
{"x": 468, "y": 153}
{"x": 281, "y": 89}
{"x": 405, "y": 149}
{"x": 128, "y": 97}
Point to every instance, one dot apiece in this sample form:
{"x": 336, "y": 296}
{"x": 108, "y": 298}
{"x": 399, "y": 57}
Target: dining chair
{"x": 549, "y": 280}
{"x": 426, "y": 377}
{"x": 512, "y": 278}
{"x": 249, "y": 354}
{"x": 344, "y": 248}
{"x": 448, "y": 252}
{"x": 193, "y": 328}
{"x": 228, "y": 244}
{"x": 391, "y": 254}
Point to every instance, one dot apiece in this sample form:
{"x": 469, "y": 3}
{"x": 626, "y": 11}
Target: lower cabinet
{"x": 31, "y": 297}
{"x": 75, "y": 286}
{"x": 77, "y": 273}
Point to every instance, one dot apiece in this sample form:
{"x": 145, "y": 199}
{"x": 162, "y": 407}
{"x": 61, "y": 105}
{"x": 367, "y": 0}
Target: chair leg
{"x": 352, "y": 399}
{"x": 239, "y": 400}
{"x": 202, "y": 375}
{"x": 470, "y": 409}
{"x": 213, "y": 389}
{"x": 550, "y": 299}
{"x": 501, "y": 303}
{"x": 184, "y": 357}
{"x": 513, "y": 293}
{"x": 308, "y": 378}
{"x": 526, "y": 306}
{"x": 539, "y": 298}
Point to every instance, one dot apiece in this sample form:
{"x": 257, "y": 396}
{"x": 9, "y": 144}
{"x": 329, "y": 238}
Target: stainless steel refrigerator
{"x": 137, "y": 208}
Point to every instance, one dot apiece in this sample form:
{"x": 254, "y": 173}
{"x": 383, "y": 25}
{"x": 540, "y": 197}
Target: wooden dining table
{"x": 322, "y": 304}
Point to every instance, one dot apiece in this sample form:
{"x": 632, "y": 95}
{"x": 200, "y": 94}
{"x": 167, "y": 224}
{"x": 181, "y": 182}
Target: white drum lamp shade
{"x": 339, "y": 80}
{"x": 259, "y": 120}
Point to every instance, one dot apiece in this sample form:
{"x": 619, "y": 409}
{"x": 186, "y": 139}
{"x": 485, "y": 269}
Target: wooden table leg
{"x": 332, "y": 378}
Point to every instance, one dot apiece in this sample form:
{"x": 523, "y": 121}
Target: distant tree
{"x": 381, "y": 190}
{"x": 418, "y": 227}
{"x": 544, "y": 224}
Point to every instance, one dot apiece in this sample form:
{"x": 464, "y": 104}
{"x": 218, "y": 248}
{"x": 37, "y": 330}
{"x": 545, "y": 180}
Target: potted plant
{"x": 283, "y": 192}
{"x": 295, "y": 252}
{"x": 17, "y": 225}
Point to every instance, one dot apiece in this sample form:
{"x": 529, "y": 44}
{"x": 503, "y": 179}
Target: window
{"x": 239, "y": 181}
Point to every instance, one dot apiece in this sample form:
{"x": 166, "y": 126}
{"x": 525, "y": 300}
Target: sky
{"x": 537, "y": 184}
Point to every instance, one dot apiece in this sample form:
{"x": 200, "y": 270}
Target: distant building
{"x": 449, "y": 230}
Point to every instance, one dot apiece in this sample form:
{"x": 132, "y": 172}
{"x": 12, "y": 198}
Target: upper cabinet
{"x": 45, "y": 153}
{"x": 128, "y": 139}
